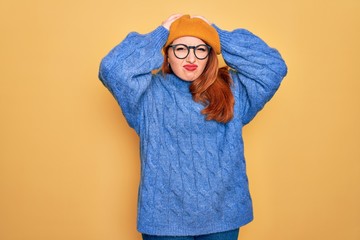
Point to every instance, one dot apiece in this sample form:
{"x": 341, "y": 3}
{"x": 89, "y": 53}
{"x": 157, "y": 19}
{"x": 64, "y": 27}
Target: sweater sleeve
{"x": 257, "y": 69}
{"x": 126, "y": 70}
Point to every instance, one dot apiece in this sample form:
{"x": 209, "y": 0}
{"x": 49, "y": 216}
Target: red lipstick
{"x": 190, "y": 67}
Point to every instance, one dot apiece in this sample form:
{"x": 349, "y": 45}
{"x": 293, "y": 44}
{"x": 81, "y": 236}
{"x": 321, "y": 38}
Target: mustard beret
{"x": 195, "y": 27}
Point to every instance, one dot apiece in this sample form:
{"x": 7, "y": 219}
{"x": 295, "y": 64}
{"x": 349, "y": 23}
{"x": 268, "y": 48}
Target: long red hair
{"x": 212, "y": 89}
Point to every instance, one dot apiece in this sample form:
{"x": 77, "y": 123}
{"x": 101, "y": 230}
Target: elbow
{"x": 279, "y": 65}
{"x": 283, "y": 69}
{"x": 280, "y": 70}
{"x": 104, "y": 70}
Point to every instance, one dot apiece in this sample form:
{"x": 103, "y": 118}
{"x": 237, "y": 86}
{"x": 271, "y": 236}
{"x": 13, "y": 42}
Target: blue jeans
{"x": 228, "y": 235}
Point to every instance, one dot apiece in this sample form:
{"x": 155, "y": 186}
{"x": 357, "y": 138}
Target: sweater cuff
{"x": 159, "y": 36}
{"x": 225, "y": 36}
{"x": 243, "y": 37}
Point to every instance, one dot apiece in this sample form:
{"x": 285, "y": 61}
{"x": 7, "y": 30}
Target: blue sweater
{"x": 193, "y": 174}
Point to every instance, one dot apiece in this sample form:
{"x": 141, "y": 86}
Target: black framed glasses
{"x": 181, "y": 51}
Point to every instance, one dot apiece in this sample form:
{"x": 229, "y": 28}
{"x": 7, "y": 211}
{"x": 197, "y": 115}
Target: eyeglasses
{"x": 181, "y": 51}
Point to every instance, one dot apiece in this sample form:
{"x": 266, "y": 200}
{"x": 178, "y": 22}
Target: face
{"x": 189, "y": 68}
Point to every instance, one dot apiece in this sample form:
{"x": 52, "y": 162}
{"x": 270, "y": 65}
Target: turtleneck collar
{"x": 177, "y": 83}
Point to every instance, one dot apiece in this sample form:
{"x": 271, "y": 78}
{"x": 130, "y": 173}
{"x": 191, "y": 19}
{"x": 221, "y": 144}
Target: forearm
{"x": 137, "y": 55}
{"x": 251, "y": 56}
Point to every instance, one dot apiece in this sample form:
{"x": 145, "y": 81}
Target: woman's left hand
{"x": 167, "y": 23}
{"x": 202, "y": 18}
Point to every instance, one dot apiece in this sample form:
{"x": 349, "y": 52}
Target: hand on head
{"x": 202, "y": 18}
{"x": 167, "y": 23}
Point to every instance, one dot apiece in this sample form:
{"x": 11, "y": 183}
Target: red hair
{"x": 212, "y": 89}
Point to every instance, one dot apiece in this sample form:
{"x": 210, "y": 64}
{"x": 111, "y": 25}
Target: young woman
{"x": 189, "y": 117}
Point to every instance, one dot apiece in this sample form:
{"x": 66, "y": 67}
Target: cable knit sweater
{"x": 193, "y": 173}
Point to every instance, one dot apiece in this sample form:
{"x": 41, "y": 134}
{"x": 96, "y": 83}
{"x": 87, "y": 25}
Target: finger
{"x": 202, "y": 18}
{"x": 167, "y": 23}
{"x": 174, "y": 17}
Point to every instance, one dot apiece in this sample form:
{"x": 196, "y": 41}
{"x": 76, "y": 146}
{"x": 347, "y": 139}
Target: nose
{"x": 191, "y": 57}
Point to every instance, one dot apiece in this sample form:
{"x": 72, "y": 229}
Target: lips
{"x": 190, "y": 67}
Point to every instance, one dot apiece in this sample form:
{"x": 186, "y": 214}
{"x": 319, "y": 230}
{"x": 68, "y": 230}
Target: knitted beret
{"x": 195, "y": 27}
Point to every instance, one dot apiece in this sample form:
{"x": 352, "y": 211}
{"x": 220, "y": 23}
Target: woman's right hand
{"x": 167, "y": 23}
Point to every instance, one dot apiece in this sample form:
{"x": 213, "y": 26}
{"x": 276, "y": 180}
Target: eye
{"x": 180, "y": 48}
{"x": 202, "y": 48}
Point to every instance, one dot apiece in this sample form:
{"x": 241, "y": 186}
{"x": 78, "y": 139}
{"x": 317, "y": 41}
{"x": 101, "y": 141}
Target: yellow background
{"x": 69, "y": 164}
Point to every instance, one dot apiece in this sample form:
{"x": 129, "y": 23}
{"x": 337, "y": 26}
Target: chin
{"x": 190, "y": 78}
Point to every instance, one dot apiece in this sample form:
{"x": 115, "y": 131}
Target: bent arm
{"x": 126, "y": 69}
{"x": 257, "y": 69}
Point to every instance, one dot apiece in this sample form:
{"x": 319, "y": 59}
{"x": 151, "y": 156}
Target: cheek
{"x": 202, "y": 65}
{"x": 174, "y": 62}
{"x": 171, "y": 58}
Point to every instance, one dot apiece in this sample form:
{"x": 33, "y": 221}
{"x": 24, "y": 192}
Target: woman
{"x": 189, "y": 118}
